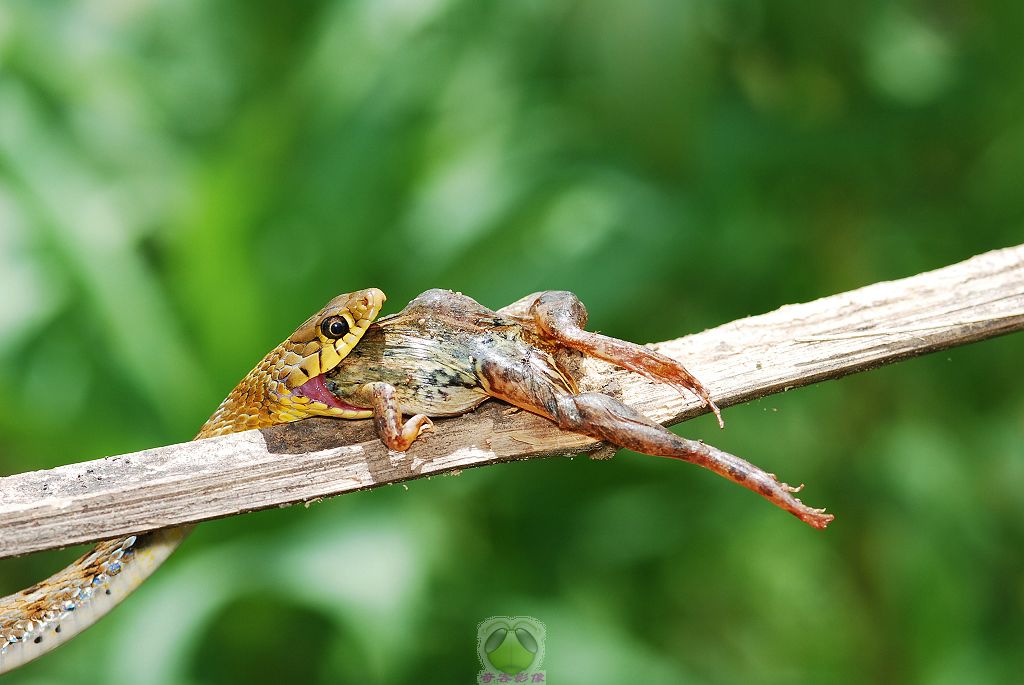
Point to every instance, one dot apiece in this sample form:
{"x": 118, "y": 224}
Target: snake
{"x": 286, "y": 385}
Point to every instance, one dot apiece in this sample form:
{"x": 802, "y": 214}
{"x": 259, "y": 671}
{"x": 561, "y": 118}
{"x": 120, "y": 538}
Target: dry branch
{"x": 793, "y": 346}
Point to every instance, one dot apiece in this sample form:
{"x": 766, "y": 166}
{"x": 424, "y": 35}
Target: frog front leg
{"x": 559, "y": 316}
{"x": 387, "y": 418}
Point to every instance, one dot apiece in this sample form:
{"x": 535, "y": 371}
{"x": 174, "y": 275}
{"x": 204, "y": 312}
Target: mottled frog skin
{"x": 439, "y": 354}
{"x": 445, "y": 353}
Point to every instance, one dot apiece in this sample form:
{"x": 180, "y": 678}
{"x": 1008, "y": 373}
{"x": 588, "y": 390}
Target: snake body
{"x": 286, "y": 385}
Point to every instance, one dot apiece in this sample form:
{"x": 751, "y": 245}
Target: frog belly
{"x": 438, "y": 400}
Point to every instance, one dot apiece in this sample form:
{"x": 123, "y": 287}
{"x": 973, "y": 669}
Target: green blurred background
{"x": 182, "y": 183}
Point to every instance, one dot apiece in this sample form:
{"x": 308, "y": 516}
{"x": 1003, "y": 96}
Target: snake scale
{"x": 283, "y": 387}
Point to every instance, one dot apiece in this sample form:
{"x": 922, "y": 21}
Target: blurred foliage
{"x": 182, "y": 183}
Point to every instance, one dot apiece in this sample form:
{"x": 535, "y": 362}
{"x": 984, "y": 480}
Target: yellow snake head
{"x": 288, "y": 384}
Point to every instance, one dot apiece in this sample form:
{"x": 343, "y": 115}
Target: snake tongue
{"x": 316, "y": 390}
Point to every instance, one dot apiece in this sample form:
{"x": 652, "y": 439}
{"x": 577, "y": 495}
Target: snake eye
{"x": 334, "y": 327}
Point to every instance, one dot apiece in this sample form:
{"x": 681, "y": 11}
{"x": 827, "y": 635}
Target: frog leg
{"x": 607, "y": 419}
{"x": 560, "y": 317}
{"x": 387, "y": 417}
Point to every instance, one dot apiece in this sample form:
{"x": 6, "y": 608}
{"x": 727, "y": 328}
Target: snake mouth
{"x": 316, "y": 390}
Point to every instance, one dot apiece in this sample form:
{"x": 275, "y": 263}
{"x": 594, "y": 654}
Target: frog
{"x": 445, "y": 354}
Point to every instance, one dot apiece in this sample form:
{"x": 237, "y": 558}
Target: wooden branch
{"x": 796, "y": 345}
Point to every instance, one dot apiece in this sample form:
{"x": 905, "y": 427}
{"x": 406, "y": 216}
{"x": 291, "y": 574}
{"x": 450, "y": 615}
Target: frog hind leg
{"x": 559, "y": 316}
{"x": 395, "y": 433}
{"x": 607, "y": 419}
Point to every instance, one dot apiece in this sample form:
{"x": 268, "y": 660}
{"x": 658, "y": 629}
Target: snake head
{"x": 296, "y": 369}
